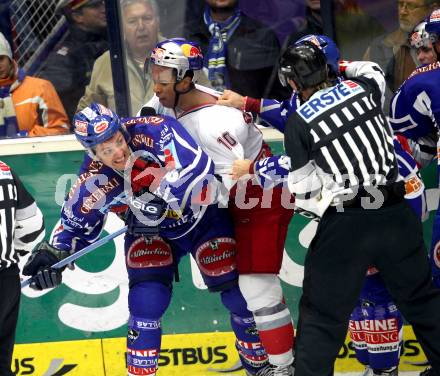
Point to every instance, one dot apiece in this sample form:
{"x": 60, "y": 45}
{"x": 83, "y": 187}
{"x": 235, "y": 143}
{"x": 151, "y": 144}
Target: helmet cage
{"x": 419, "y": 37}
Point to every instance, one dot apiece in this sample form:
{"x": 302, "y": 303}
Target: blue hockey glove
{"x": 145, "y": 215}
{"x": 39, "y": 266}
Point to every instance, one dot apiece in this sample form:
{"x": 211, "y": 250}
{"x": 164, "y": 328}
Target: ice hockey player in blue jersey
{"x": 415, "y": 113}
{"x": 150, "y": 170}
{"x": 375, "y": 308}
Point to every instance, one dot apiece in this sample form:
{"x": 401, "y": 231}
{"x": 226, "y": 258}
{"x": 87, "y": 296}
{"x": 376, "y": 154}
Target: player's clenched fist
{"x": 232, "y": 99}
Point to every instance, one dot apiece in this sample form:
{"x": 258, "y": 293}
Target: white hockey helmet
{"x": 419, "y": 37}
{"x": 180, "y": 54}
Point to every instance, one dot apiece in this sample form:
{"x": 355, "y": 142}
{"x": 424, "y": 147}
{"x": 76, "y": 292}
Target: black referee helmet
{"x": 305, "y": 64}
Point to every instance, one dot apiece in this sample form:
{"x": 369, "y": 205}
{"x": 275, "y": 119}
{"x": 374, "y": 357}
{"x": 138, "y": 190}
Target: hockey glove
{"x": 39, "y": 266}
{"x": 144, "y": 174}
{"x": 145, "y": 215}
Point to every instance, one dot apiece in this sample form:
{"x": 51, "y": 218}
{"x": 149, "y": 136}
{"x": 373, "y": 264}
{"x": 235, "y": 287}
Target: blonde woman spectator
{"x": 29, "y": 106}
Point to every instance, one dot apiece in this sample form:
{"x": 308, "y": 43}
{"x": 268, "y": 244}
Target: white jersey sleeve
{"x": 225, "y": 136}
{"x": 29, "y": 228}
{"x": 368, "y": 69}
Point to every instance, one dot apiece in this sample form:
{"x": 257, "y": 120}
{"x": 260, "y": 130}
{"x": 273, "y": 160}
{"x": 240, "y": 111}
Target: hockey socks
{"x": 143, "y": 346}
{"x": 276, "y": 333}
{"x": 250, "y": 350}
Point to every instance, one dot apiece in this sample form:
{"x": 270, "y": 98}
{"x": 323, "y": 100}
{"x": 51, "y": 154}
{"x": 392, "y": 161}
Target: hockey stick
{"x": 82, "y": 252}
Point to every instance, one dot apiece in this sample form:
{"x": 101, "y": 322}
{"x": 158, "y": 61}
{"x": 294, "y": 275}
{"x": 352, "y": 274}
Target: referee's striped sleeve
{"x": 29, "y": 222}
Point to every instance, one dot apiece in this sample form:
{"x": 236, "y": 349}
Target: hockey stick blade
{"x": 82, "y": 252}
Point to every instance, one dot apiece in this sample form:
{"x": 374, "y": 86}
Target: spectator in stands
{"x": 312, "y": 22}
{"x": 392, "y": 51}
{"x": 240, "y": 52}
{"x": 354, "y": 28}
{"x": 70, "y": 65}
{"x": 141, "y": 33}
{"x": 29, "y": 106}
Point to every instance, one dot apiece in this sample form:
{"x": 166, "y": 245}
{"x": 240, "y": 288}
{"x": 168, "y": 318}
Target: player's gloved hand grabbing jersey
{"x": 145, "y": 174}
{"x": 39, "y": 266}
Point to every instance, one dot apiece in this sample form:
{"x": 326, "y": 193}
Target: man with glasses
{"x": 392, "y": 51}
{"x": 70, "y": 64}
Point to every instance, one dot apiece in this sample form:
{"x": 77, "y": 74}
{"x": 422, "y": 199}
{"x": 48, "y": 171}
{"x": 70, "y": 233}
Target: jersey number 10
{"x": 227, "y": 140}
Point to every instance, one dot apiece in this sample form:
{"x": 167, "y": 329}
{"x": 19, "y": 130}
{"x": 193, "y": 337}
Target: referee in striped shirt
{"x": 21, "y": 228}
{"x": 344, "y": 170}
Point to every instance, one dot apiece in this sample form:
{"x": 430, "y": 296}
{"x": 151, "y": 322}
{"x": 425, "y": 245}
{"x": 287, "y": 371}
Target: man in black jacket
{"x": 240, "y": 52}
{"x": 70, "y": 64}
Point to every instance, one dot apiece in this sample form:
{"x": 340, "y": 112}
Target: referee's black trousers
{"x": 9, "y": 306}
{"x": 345, "y": 245}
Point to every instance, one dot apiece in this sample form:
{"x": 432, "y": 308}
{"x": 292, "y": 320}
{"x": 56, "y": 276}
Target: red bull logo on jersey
{"x": 328, "y": 98}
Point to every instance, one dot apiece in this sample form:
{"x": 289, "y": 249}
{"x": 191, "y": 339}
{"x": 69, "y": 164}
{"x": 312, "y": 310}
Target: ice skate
{"x": 381, "y": 372}
{"x": 386, "y": 372}
{"x": 272, "y": 370}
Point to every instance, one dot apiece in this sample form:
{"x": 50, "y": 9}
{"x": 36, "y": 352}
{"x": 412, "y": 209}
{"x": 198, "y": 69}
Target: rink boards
{"x": 196, "y": 354}
{"x": 88, "y": 312}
